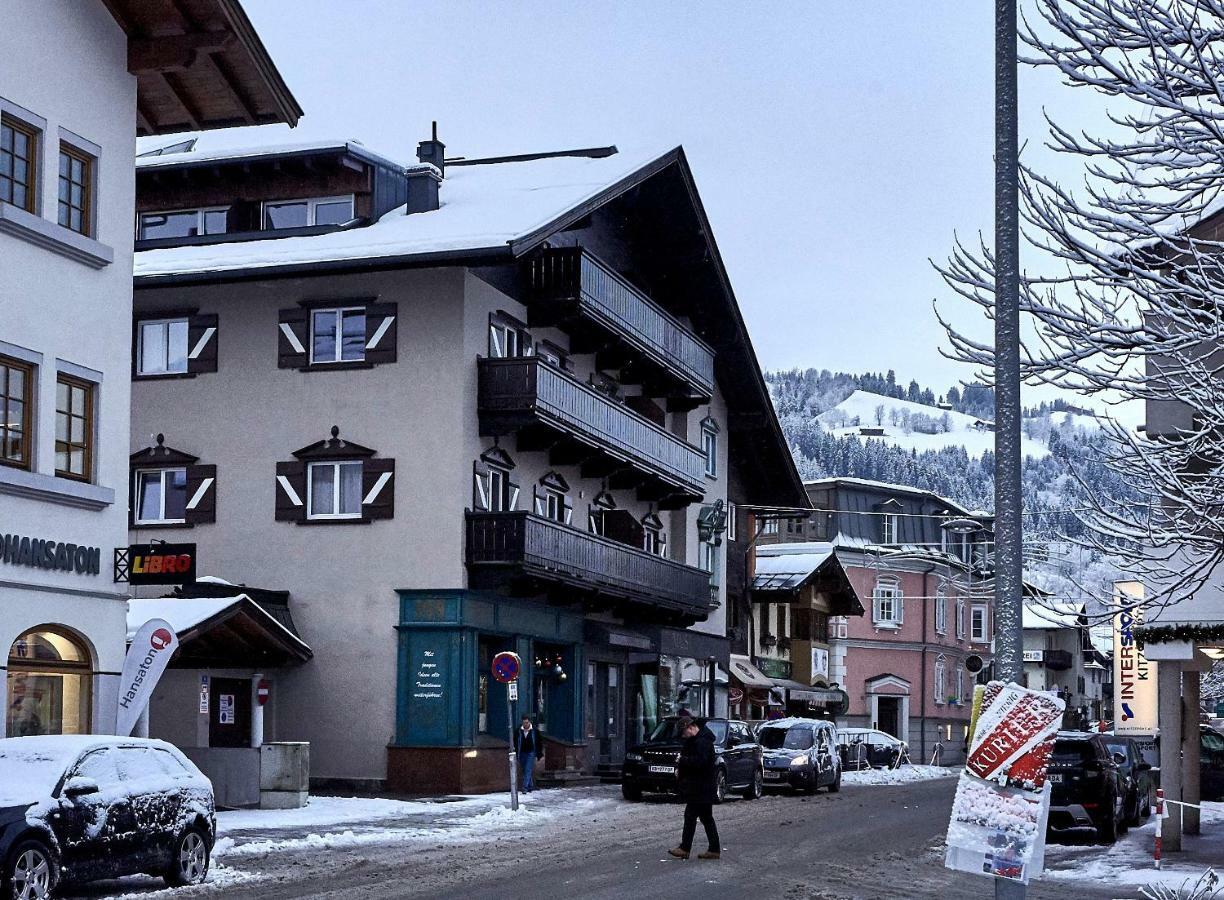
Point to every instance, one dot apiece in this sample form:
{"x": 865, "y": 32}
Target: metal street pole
{"x": 1009, "y": 572}
{"x": 511, "y": 696}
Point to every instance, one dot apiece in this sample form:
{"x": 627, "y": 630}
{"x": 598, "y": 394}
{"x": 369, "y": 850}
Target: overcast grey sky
{"x": 836, "y": 145}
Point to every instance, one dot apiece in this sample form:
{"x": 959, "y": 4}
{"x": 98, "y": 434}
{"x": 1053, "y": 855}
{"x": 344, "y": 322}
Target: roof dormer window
{"x": 180, "y": 223}
{"x": 307, "y": 212}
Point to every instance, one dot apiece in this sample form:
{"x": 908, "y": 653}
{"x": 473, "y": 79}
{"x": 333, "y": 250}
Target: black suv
{"x": 651, "y": 766}
{"x": 1089, "y": 790}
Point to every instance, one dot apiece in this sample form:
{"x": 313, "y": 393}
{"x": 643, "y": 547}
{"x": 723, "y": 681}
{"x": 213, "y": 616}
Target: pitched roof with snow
{"x": 788, "y": 567}
{"x": 485, "y": 210}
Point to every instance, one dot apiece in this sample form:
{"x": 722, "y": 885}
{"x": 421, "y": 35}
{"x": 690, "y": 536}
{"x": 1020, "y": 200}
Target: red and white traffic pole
{"x": 1159, "y": 821}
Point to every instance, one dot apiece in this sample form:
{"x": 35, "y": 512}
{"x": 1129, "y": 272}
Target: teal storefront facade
{"x": 452, "y": 725}
{"x": 592, "y": 686}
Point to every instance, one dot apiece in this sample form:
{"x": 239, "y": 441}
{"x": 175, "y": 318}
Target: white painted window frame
{"x": 336, "y": 464}
{"x": 165, "y": 324}
{"x": 338, "y": 317}
{"x": 161, "y": 473}
{"x": 312, "y": 203}
{"x": 976, "y": 636}
{"x": 200, "y": 220}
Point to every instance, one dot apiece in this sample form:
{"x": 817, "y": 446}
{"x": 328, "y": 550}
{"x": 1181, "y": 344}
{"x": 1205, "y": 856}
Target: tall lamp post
{"x": 1008, "y": 539}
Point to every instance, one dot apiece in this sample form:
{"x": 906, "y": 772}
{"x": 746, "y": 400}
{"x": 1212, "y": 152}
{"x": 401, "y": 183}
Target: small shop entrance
{"x": 605, "y": 710}
{"x": 229, "y": 724}
{"x": 890, "y": 715}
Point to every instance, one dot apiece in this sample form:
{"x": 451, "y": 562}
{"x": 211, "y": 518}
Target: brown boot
{"x": 710, "y": 854}
{"x": 679, "y": 853}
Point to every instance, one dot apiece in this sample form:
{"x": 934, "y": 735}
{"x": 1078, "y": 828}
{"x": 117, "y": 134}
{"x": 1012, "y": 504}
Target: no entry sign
{"x": 506, "y": 667}
{"x": 262, "y": 691}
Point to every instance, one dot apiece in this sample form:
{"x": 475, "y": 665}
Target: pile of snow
{"x": 915, "y": 426}
{"x": 1128, "y": 862}
{"x": 319, "y": 813}
{"x": 903, "y": 775}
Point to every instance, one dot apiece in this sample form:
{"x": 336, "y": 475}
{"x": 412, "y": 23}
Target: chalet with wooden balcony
{"x": 456, "y": 407}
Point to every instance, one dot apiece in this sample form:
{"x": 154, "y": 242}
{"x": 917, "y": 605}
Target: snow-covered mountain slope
{"x": 917, "y": 426}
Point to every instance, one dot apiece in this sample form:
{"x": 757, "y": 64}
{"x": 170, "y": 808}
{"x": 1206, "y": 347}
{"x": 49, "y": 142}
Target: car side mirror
{"x": 1144, "y": 767}
{"x": 79, "y": 785}
{"x": 1119, "y": 758}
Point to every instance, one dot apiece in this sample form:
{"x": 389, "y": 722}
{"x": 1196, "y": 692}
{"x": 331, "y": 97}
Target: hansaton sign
{"x": 1002, "y": 801}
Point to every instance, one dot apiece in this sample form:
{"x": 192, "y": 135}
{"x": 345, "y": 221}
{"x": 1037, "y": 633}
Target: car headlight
{"x": 800, "y": 760}
{"x": 633, "y": 757}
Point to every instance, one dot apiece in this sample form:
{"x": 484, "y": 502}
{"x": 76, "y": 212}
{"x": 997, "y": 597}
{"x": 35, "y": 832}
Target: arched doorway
{"x": 49, "y": 684}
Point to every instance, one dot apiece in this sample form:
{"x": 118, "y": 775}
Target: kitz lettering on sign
{"x": 45, "y": 554}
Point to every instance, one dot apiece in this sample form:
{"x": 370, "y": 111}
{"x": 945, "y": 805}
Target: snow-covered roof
{"x": 185, "y": 613}
{"x": 785, "y": 567}
{"x": 1052, "y": 614}
{"x": 890, "y": 486}
{"x": 204, "y": 149}
{"x": 484, "y": 208}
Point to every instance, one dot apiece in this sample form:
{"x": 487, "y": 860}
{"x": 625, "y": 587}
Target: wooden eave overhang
{"x": 199, "y": 64}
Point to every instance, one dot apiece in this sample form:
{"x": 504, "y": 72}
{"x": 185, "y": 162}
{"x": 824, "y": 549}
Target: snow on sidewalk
{"x": 903, "y": 775}
{"x": 1129, "y": 861}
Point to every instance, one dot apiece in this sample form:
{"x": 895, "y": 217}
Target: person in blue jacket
{"x": 527, "y": 745}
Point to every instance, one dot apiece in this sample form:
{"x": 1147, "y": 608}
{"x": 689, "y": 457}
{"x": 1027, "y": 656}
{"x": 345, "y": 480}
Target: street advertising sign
{"x": 146, "y": 660}
{"x": 1134, "y": 677}
{"x": 160, "y": 563}
{"x": 506, "y": 666}
{"x": 998, "y": 821}
{"x": 1033, "y": 655}
{"x": 512, "y": 690}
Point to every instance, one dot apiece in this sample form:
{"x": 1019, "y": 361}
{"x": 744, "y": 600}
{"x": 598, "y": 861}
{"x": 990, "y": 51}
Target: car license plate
{"x": 1054, "y": 778}
{"x": 773, "y": 776}
{"x": 662, "y": 770}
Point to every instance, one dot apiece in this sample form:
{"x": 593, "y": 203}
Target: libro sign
{"x": 156, "y": 564}
{"x": 147, "y": 657}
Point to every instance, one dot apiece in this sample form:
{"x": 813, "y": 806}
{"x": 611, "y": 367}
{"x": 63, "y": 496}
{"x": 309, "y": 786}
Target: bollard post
{"x": 1159, "y": 822}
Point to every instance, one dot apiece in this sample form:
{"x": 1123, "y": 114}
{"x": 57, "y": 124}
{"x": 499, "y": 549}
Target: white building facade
{"x": 69, "y": 113}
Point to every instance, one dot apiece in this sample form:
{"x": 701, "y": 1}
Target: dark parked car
{"x": 1089, "y": 790}
{"x": 1136, "y": 775}
{"x": 651, "y": 767}
{"x": 77, "y": 808}
{"x": 1211, "y": 764}
{"x": 801, "y": 754}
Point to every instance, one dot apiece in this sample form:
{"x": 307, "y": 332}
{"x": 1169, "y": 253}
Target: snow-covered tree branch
{"x": 1121, "y": 293}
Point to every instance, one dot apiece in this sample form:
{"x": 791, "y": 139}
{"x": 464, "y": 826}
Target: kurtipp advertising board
{"x": 998, "y": 821}
{"x": 1134, "y": 677}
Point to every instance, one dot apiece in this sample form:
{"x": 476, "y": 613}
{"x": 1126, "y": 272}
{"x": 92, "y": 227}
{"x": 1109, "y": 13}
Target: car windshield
{"x": 1072, "y": 753}
{"x": 669, "y": 730}
{"x": 793, "y": 738}
{"x": 1118, "y": 748}
{"x": 30, "y": 768}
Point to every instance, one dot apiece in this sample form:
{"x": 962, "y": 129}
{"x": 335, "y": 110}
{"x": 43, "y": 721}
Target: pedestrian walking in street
{"x": 698, "y": 775}
{"x": 528, "y": 748}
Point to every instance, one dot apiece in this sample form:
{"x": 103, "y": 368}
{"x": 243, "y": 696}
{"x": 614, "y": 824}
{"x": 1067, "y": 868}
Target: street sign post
{"x": 506, "y": 667}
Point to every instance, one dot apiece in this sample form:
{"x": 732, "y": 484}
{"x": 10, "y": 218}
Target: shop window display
{"x": 48, "y": 686}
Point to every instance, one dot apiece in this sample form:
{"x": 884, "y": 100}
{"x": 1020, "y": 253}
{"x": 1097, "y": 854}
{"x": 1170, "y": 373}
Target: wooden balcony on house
{"x": 605, "y": 314}
{"x": 1058, "y": 659}
{"x": 578, "y": 425}
{"x": 525, "y": 549}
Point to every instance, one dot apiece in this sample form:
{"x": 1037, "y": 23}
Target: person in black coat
{"x": 698, "y": 772}
{"x": 528, "y": 747}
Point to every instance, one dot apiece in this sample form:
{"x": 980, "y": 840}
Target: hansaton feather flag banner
{"x": 1002, "y": 801}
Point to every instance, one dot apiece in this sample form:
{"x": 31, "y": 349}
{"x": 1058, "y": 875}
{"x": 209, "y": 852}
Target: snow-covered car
{"x": 882, "y": 749}
{"x": 76, "y": 808}
{"x": 801, "y": 754}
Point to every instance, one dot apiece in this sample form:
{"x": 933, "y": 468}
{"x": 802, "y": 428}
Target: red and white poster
{"x": 1002, "y": 801}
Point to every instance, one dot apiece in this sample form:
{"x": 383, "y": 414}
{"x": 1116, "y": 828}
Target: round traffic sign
{"x": 506, "y": 666}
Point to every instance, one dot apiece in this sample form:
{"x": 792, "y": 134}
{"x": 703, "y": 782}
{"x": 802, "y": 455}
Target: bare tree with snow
{"x": 1130, "y": 309}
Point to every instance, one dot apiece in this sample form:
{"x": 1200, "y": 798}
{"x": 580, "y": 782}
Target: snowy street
{"x": 871, "y": 840}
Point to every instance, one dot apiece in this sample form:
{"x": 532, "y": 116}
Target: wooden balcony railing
{"x": 524, "y": 544}
{"x": 572, "y": 280}
{"x": 522, "y": 391}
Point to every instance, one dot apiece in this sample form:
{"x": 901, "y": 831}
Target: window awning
{"x": 743, "y": 671}
{"x": 816, "y": 697}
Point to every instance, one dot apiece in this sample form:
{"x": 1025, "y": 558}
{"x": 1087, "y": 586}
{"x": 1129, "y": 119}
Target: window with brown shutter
{"x": 342, "y": 334}
{"x": 380, "y": 321}
{"x": 293, "y": 338}
{"x": 202, "y": 340}
{"x": 170, "y": 489}
{"x": 291, "y": 491}
{"x": 335, "y": 481}
{"x": 378, "y": 488}
{"x": 201, "y": 495}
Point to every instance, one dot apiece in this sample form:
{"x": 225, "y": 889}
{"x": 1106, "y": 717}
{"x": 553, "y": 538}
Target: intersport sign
{"x": 147, "y": 658}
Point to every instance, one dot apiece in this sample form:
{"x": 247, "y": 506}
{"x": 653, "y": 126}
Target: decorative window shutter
{"x": 202, "y": 344}
{"x": 380, "y": 344}
{"x": 539, "y": 503}
{"x": 514, "y": 491}
{"x": 201, "y": 495}
{"x": 569, "y": 511}
{"x": 293, "y": 338}
{"x": 899, "y": 606}
{"x": 480, "y": 489}
{"x": 877, "y": 613}
{"x": 378, "y": 488}
{"x": 291, "y": 491}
